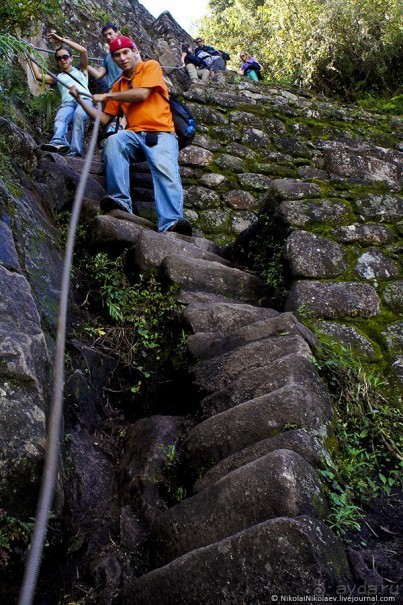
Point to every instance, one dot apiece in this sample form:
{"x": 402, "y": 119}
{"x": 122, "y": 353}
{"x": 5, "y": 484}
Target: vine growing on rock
{"x": 132, "y": 318}
{"x": 19, "y": 16}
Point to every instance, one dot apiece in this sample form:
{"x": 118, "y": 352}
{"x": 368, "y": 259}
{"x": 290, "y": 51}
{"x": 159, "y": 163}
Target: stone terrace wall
{"x": 331, "y": 177}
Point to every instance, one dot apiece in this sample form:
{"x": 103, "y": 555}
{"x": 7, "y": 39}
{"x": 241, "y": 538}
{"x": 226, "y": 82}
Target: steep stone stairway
{"x": 253, "y": 525}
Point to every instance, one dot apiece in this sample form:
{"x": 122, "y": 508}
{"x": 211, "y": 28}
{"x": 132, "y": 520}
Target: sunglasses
{"x": 62, "y": 57}
{"x": 243, "y": 56}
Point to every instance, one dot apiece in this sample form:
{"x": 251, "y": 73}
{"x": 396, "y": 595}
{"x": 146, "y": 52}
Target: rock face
{"x": 23, "y": 392}
{"x": 251, "y": 520}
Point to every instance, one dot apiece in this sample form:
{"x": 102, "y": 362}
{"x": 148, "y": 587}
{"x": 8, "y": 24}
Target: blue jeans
{"x": 122, "y": 148}
{"x": 65, "y": 114}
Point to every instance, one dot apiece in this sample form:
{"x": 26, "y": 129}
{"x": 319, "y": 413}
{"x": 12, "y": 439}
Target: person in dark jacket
{"x": 196, "y": 67}
{"x": 218, "y": 57}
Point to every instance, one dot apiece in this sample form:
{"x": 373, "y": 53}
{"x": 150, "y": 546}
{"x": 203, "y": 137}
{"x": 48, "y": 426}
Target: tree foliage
{"x": 17, "y": 16}
{"x": 335, "y": 46}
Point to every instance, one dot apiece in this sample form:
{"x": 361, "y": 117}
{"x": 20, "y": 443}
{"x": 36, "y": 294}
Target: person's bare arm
{"x": 133, "y": 95}
{"x": 39, "y": 76}
{"x": 97, "y": 73}
{"x": 82, "y": 51}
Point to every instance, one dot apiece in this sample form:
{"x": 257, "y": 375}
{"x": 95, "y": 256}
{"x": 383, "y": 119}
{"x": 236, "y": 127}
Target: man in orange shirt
{"x": 141, "y": 94}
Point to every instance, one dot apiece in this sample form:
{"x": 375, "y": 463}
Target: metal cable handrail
{"x": 51, "y": 456}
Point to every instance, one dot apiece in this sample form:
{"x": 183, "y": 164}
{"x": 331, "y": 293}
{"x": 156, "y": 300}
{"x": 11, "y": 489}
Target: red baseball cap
{"x": 121, "y": 42}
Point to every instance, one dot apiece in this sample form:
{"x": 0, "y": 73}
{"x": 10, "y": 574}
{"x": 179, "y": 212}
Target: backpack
{"x": 205, "y": 57}
{"x": 256, "y": 68}
{"x": 185, "y": 124}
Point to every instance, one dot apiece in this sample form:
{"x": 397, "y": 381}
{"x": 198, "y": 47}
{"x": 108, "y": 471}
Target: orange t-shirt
{"x": 154, "y": 113}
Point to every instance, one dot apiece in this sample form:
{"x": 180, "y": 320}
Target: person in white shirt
{"x": 69, "y": 110}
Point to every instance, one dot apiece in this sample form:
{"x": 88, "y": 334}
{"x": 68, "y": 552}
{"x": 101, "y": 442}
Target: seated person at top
{"x": 250, "y": 67}
{"x": 219, "y": 57}
{"x": 196, "y": 67}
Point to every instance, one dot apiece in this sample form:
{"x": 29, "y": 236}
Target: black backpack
{"x": 185, "y": 124}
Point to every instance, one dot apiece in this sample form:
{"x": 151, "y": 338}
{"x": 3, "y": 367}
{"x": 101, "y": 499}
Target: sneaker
{"x": 109, "y": 203}
{"x": 55, "y": 148}
{"x": 181, "y": 226}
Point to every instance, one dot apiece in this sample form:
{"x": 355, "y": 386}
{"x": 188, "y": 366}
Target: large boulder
{"x": 24, "y": 395}
{"x": 358, "y": 161}
{"x": 302, "y": 213}
{"x": 333, "y": 300}
{"x": 311, "y": 255}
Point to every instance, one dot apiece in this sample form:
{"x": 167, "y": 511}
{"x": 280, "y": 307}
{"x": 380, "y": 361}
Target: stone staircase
{"x": 253, "y": 525}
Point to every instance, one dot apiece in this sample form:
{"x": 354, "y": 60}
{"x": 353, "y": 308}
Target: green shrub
{"x": 14, "y": 538}
{"x": 369, "y": 431}
{"x": 138, "y": 324}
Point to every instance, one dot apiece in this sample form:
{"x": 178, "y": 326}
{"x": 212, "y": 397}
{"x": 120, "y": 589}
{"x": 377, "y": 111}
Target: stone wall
{"x": 330, "y": 178}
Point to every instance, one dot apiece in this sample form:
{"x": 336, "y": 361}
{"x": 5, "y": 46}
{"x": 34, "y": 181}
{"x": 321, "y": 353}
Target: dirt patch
{"x": 376, "y": 552}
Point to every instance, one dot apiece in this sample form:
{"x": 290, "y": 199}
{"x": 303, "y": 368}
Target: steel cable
{"x": 51, "y": 456}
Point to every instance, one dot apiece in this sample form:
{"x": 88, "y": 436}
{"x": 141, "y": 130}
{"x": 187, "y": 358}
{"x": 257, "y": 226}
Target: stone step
{"x": 96, "y": 168}
{"x": 213, "y": 374}
{"x": 107, "y": 229}
{"x": 281, "y": 483}
{"x": 248, "y": 423}
{"x": 100, "y": 179}
{"x": 298, "y": 440}
{"x": 205, "y": 345}
{"x": 143, "y": 194}
{"x": 283, "y": 556}
{"x": 292, "y": 370}
{"x": 151, "y": 249}
{"x": 198, "y": 297}
{"x": 224, "y": 317}
{"x": 194, "y": 274}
